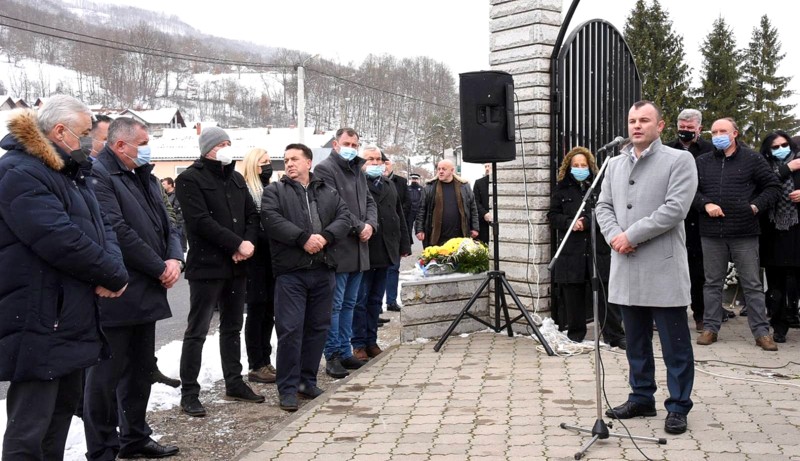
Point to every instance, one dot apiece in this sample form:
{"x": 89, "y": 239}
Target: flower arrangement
{"x": 456, "y": 255}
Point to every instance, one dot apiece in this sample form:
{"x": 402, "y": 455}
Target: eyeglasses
{"x": 786, "y": 144}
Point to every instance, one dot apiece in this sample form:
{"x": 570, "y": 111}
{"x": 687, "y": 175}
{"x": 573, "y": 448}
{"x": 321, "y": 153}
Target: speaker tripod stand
{"x": 501, "y": 287}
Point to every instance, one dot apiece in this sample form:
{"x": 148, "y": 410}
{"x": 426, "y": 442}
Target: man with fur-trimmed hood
{"x": 57, "y": 254}
{"x": 446, "y": 211}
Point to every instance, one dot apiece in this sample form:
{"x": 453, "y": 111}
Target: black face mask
{"x": 686, "y": 135}
{"x": 266, "y": 174}
{"x": 80, "y": 156}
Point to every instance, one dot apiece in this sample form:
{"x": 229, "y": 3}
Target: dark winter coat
{"x": 259, "y": 268}
{"x": 133, "y": 204}
{"x": 574, "y": 265}
{"x": 780, "y": 248}
{"x": 401, "y": 186}
{"x": 692, "y": 222}
{"x": 481, "y": 192}
{"x": 414, "y": 194}
{"x": 219, "y": 215}
{"x": 351, "y": 254}
{"x": 392, "y": 239}
{"x": 734, "y": 183}
{"x": 286, "y": 210}
{"x": 424, "y": 221}
{"x": 55, "y": 248}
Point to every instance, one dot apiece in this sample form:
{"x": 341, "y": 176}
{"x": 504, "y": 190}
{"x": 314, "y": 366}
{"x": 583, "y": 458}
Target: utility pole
{"x": 301, "y": 100}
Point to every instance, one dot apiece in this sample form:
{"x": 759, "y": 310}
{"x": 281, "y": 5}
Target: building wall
{"x": 523, "y": 34}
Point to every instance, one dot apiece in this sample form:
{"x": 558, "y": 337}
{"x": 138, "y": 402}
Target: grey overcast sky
{"x": 455, "y": 32}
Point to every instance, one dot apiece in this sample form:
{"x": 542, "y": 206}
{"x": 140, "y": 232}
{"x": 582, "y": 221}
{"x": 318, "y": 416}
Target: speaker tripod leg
{"x": 461, "y": 315}
{"x": 528, "y": 318}
{"x": 501, "y": 303}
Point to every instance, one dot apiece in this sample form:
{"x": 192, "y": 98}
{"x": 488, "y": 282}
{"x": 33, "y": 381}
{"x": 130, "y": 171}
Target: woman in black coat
{"x": 779, "y": 247}
{"x": 573, "y": 270}
{"x": 260, "y": 279}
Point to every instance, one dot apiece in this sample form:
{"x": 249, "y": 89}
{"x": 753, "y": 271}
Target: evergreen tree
{"x": 660, "y": 58}
{"x": 721, "y": 93}
{"x": 765, "y": 89}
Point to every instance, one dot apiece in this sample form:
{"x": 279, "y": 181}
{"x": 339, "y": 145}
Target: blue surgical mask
{"x": 721, "y": 141}
{"x": 781, "y": 152}
{"x": 375, "y": 171}
{"x": 348, "y": 153}
{"x": 142, "y": 156}
{"x": 580, "y": 173}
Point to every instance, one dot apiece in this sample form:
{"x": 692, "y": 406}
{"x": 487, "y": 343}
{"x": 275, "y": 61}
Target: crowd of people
{"x": 682, "y": 210}
{"x": 97, "y": 240}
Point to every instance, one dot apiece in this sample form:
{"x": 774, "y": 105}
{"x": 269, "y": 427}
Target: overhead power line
{"x": 85, "y": 39}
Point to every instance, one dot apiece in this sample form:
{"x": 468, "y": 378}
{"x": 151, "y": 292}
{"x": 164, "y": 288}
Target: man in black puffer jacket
{"x": 735, "y": 185}
{"x": 58, "y": 254}
{"x": 303, "y": 216}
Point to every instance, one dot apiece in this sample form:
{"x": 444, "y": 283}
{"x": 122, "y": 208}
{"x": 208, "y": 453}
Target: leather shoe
{"x": 620, "y": 343}
{"x": 352, "y": 363}
{"x": 191, "y": 406}
{"x": 706, "y": 338}
{"x": 630, "y": 410}
{"x": 151, "y": 449}
{"x": 374, "y": 351}
{"x": 334, "y": 368}
{"x": 778, "y": 338}
{"x": 393, "y": 307}
{"x": 288, "y": 402}
{"x": 382, "y": 320}
{"x": 310, "y": 392}
{"x": 243, "y": 393}
{"x": 360, "y": 353}
{"x": 766, "y": 343}
{"x": 698, "y": 326}
{"x": 743, "y": 312}
{"x": 675, "y": 423}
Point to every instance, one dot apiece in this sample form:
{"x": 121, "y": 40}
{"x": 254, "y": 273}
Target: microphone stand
{"x": 600, "y": 428}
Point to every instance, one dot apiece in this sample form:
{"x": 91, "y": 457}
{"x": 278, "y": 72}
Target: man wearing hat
{"x": 222, "y": 223}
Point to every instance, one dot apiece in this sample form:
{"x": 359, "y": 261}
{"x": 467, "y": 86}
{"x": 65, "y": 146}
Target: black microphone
{"x": 616, "y": 142}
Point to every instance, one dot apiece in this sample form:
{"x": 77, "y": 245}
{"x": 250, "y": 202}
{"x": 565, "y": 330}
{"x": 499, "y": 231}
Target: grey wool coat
{"x": 648, "y": 200}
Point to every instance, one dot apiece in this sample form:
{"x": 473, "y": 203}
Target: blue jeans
{"x": 302, "y": 315}
{"x": 345, "y": 296}
{"x": 392, "y": 279}
{"x": 676, "y": 347}
{"x": 368, "y": 308}
{"x": 743, "y": 251}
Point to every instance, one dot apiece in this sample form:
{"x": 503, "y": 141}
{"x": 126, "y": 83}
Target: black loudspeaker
{"x": 487, "y": 117}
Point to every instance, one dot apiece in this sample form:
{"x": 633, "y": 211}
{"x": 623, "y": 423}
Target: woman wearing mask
{"x": 779, "y": 243}
{"x": 260, "y": 282}
{"x": 573, "y": 271}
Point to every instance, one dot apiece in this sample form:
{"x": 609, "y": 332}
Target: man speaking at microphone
{"x": 646, "y": 193}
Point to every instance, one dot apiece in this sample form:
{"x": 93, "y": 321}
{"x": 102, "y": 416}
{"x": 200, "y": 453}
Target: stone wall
{"x": 523, "y": 34}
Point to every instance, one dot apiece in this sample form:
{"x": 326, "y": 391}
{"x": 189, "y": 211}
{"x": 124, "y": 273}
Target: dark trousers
{"x": 392, "y": 280}
{"x": 776, "y": 298}
{"x": 697, "y": 279}
{"x": 39, "y": 414}
{"x": 577, "y": 301}
{"x": 369, "y": 307}
{"x": 303, "y": 301}
{"x": 676, "y": 347}
{"x": 258, "y": 329}
{"x": 117, "y": 391}
{"x": 203, "y": 296}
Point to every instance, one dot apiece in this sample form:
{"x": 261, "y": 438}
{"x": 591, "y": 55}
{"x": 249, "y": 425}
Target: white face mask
{"x": 224, "y": 155}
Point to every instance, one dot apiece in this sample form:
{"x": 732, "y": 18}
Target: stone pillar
{"x": 523, "y": 34}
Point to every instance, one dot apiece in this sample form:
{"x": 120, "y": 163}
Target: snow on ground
{"x": 161, "y": 397}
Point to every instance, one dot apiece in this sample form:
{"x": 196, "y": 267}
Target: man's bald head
{"x": 445, "y": 170}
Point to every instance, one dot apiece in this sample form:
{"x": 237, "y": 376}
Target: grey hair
{"x": 688, "y": 115}
{"x": 123, "y": 128}
{"x": 370, "y": 147}
{"x": 60, "y": 109}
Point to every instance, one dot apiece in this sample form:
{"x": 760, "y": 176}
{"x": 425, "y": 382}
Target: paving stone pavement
{"x": 490, "y": 397}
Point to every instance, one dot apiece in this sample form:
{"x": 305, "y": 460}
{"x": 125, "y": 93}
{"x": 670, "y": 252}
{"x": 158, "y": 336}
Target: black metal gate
{"x": 594, "y": 81}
